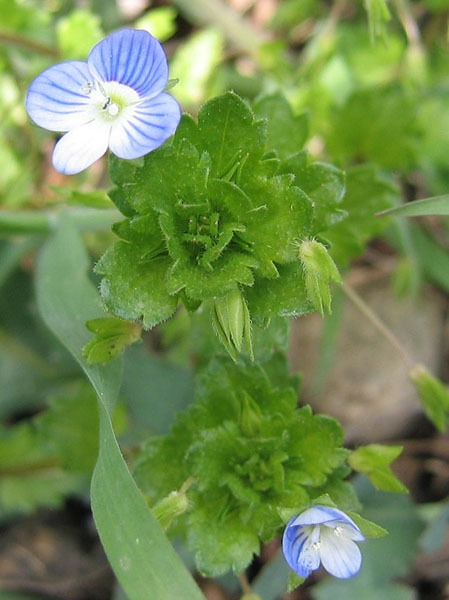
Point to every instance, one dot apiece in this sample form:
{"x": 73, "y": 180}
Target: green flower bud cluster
{"x": 251, "y": 454}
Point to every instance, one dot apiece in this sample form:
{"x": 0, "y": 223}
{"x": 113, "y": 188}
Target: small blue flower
{"x": 323, "y": 535}
{"x": 114, "y": 100}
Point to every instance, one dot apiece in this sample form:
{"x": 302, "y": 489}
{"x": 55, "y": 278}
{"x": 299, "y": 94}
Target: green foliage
{"x": 160, "y": 22}
{"x": 194, "y": 64}
{"x": 78, "y": 33}
{"x": 433, "y": 394}
{"x": 367, "y": 193}
{"x": 378, "y": 16}
{"x": 69, "y": 430}
{"x": 374, "y": 460}
{"x": 112, "y": 335}
{"x": 383, "y": 128}
{"x": 212, "y": 213}
{"x": 252, "y": 455}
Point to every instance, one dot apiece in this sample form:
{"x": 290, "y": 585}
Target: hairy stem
{"x": 16, "y": 39}
{"x": 378, "y": 323}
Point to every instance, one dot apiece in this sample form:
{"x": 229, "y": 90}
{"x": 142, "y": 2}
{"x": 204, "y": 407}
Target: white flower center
{"x": 338, "y": 531}
{"x": 109, "y": 100}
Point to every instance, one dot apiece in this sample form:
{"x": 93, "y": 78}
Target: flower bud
{"x": 232, "y": 323}
{"x": 433, "y": 395}
{"x": 250, "y": 416}
{"x": 170, "y": 507}
{"x": 319, "y": 270}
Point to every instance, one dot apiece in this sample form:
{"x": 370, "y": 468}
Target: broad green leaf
{"x": 368, "y": 528}
{"x": 286, "y": 132}
{"x": 137, "y": 548}
{"x": 374, "y": 461}
{"x": 438, "y": 205}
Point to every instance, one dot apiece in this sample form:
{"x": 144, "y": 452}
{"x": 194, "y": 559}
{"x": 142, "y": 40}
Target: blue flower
{"x": 114, "y": 100}
{"x": 323, "y": 535}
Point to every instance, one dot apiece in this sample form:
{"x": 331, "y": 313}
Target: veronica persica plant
{"x": 323, "y": 535}
{"x": 114, "y": 100}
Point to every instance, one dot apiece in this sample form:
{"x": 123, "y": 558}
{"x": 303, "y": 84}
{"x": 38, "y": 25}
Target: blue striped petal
{"x": 145, "y": 127}
{"x": 340, "y": 556}
{"x": 81, "y": 147}
{"x": 317, "y": 515}
{"x": 55, "y": 99}
{"x": 131, "y": 57}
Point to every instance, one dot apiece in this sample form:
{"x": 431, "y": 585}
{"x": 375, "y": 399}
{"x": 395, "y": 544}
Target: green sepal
{"x": 294, "y": 581}
{"x": 374, "y": 461}
{"x": 232, "y": 323}
{"x": 112, "y": 335}
{"x": 320, "y": 270}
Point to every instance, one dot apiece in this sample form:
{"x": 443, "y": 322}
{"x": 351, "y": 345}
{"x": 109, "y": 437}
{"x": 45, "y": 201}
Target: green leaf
{"x": 374, "y": 461}
{"x": 368, "y": 528}
{"x": 433, "y": 395}
{"x": 294, "y": 581}
{"x": 280, "y": 120}
{"x": 231, "y": 135}
{"x": 112, "y": 337}
{"x": 438, "y": 205}
{"x": 367, "y": 193}
{"x": 136, "y": 546}
{"x": 383, "y": 128}
{"x": 134, "y": 287}
{"x": 69, "y": 429}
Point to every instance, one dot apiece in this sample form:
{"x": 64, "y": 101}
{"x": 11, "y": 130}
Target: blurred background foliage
{"x": 370, "y": 82}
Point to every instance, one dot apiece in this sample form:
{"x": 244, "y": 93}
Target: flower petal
{"x": 340, "y": 556}
{"x": 145, "y": 126}
{"x": 347, "y": 530}
{"x": 132, "y": 57}
{"x": 317, "y": 515}
{"x": 55, "y": 99}
{"x": 81, "y": 147}
{"x": 300, "y": 551}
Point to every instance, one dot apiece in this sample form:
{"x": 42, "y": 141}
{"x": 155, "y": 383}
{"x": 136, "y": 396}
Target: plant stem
{"x": 378, "y": 323}
{"x": 16, "y": 39}
{"x": 27, "y": 222}
{"x": 244, "y": 583}
{"x": 236, "y": 28}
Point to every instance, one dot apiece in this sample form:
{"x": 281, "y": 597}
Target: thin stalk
{"x": 244, "y": 583}
{"x": 236, "y": 28}
{"x": 408, "y": 22}
{"x": 16, "y": 39}
{"x": 29, "y": 222}
{"x": 378, "y": 323}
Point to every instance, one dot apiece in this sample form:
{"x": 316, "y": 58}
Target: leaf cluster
{"x": 222, "y": 206}
{"x": 252, "y": 455}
